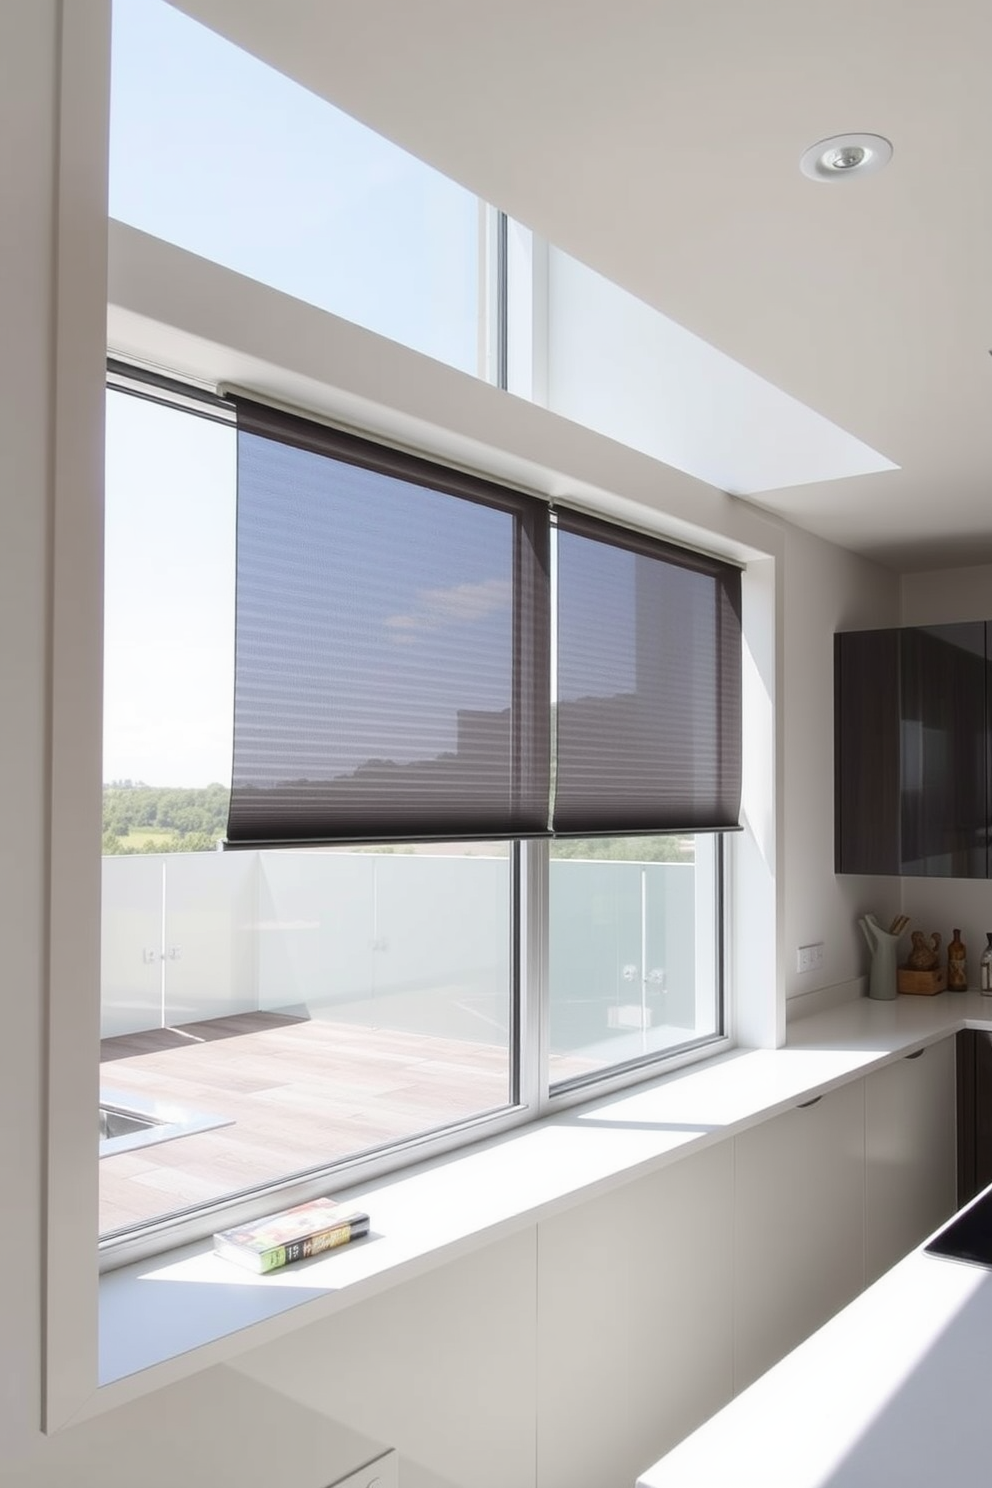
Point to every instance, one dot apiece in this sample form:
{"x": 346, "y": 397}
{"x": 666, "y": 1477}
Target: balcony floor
{"x": 299, "y": 1093}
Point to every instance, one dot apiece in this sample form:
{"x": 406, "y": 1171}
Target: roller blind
{"x": 648, "y": 674}
{"x": 393, "y": 657}
{"x": 391, "y": 645}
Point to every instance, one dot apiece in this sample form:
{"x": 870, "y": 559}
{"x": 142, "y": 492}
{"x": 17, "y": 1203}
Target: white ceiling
{"x": 659, "y": 142}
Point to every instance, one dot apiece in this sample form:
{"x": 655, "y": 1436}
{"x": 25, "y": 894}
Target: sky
{"x": 168, "y": 595}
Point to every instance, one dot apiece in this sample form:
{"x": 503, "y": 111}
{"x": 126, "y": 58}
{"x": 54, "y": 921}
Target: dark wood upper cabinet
{"x": 866, "y": 751}
{"x": 912, "y": 755}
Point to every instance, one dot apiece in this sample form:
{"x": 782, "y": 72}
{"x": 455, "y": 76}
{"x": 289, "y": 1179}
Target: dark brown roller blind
{"x": 392, "y": 645}
{"x": 648, "y": 694}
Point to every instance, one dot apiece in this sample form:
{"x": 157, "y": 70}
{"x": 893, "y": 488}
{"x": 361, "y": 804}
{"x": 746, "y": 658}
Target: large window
{"x": 469, "y": 758}
{"x": 463, "y": 729}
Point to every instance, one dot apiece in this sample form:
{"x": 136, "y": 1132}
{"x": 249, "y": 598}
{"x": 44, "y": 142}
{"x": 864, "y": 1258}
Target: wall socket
{"x": 810, "y": 957}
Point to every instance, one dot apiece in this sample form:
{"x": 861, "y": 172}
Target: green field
{"x": 147, "y": 839}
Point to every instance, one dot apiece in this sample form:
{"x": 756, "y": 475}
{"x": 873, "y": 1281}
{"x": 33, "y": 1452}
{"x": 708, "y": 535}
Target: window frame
{"x": 532, "y": 1094}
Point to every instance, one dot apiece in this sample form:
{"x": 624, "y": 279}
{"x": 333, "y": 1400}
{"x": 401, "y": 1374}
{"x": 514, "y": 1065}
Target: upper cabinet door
{"x": 911, "y": 755}
{"x": 943, "y": 748}
{"x": 866, "y": 752}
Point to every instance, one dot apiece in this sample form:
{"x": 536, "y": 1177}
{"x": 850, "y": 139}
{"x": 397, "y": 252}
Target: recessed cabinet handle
{"x": 805, "y": 1105}
{"x": 918, "y": 1055}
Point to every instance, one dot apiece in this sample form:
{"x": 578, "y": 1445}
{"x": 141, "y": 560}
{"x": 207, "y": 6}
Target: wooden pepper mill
{"x": 957, "y": 965}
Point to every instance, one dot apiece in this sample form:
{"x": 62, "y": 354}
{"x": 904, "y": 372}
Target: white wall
{"x": 946, "y": 595}
{"x": 179, "y": 1434}
{"x": 825, "y": 590}
{"x": 27, "y": 190}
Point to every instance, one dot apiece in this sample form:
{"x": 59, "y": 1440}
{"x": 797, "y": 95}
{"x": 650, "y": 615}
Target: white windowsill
{"x": 166, "y": 1318}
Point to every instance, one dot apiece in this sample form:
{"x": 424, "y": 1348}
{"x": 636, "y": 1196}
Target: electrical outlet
{"x": 810, "y": 957}
{"x": 384, "y": 1472}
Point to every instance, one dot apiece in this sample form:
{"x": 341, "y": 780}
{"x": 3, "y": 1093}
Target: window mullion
{"x": 534, "y": 1002}
{"x": 492, "y": 302}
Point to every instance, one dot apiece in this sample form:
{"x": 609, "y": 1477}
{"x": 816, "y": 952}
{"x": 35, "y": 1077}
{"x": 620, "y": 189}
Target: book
{"x": 292, "y": 1235}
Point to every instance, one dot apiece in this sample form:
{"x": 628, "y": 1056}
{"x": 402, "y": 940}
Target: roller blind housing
{"x": 393, "y": 666}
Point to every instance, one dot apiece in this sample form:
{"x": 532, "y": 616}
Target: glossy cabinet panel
{"x": 943, "y": 750}
{"x": 912, "y": 751}
{"x": 974, "y": 1112}
{"x": 866, "y": 751}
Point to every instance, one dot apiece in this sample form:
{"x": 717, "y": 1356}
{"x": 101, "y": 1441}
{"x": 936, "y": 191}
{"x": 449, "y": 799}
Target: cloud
{"x": 461, "y": 604}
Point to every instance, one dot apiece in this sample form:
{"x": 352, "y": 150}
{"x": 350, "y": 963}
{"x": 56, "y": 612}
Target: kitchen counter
{"x": 894, "y": 1389}
{"x": 164, "y": 1318}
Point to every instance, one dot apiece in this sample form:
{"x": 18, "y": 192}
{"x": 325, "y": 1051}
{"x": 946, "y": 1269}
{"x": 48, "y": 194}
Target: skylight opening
{"x": 222, "y": 155}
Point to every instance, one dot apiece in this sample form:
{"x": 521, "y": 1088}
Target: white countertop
{"x": 894, "y": 1390}
{"x": 165, "y": 1318}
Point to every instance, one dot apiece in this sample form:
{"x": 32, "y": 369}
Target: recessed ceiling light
{"x": 844, "y": 156}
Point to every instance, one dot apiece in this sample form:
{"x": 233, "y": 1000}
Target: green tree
{"x": 183, "y": 819}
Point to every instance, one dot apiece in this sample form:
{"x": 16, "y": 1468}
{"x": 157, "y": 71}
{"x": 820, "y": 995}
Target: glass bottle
{"x": 957, "y": 965}
{"x": 985, "y": 977}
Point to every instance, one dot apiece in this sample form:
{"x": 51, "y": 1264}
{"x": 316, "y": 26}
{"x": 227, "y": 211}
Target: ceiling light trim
{"x": 845, "y": 156}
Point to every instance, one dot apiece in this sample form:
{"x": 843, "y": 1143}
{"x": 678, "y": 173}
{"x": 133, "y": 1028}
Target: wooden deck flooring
{"x": 299, "y": 1093}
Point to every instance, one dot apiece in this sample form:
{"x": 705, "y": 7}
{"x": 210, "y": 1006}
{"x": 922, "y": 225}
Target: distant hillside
{"x": 141, "y": 818}
{"x": 668, "y": 849}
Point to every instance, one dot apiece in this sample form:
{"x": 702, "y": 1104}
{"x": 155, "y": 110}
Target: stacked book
{"x": 292, "y": 1235}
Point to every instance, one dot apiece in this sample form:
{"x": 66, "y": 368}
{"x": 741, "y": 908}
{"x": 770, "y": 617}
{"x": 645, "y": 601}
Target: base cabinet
{"x": 799, "y": 1184}
{"x": 578, "y": 1350}
{"x": 634, "y": 1322}
{"x": 910, "y": 1154}
{"x": 658, "y": 1301}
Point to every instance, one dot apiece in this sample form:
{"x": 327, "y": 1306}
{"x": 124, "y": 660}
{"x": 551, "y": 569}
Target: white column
{"x": 53, "y": 118}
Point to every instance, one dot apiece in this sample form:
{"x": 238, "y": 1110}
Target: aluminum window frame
{"x": 531, "y": 1094}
